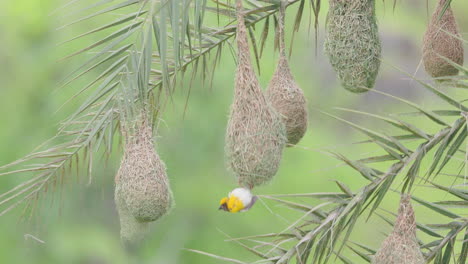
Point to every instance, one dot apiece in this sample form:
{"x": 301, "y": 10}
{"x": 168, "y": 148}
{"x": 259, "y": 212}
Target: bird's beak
{"x": 223, "y": 207}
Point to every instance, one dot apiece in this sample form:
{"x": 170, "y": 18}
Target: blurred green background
{"x": 80, "y": 224}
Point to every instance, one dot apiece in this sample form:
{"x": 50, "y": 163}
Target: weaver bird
{"x": 239, "y": 200}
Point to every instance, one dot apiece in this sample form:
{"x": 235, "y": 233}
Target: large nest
{"x": 141, "y": 182}
{"x": 352, "y": 43}
{"x": 255, "y": 134}
{"x": 285, "y": 95}
{"x": 441, "y": 42}
{"x": 401, "y": 246}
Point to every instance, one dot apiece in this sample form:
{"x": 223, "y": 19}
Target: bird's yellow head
{"x": 239, "y": 200}
{"x": 231, "y": 204}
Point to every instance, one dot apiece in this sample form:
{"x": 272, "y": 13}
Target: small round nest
{"x": 352, "y": 43}
{"x": 141, "y": 181}
{"x": 401, "y": 246}
{"x": 255, "y": 135}
{"x": 285, "y": 95}
{"x": 442, "y": 41}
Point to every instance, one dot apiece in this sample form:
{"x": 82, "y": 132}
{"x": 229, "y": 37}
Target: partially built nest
{"x": 352, "y": 43}
{"x": 442, "y": 42}
{"x": 286, "y": 96}
{"x": 141, "y": 182}
{"x": 401, "y": 246}
{"x": 255, "y": 135}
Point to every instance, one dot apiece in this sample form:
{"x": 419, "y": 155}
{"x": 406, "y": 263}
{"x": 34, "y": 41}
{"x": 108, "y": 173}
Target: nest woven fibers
{"x": 132, "y": 231}
{"x": 352, "y": 43}
{"x": 255, "y": 135}
{"x": 442, "y": 41}
{"x": 401, "y": 246}
{"x": 141, "y": 181}
{"x": 285, "y": 95}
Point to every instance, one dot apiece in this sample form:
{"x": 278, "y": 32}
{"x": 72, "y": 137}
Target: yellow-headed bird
{"x": 239, "y": 200}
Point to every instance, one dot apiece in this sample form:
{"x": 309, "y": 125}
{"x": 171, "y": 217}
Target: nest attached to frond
{"x": 401, "y": 246}
{"x": 255, "y": 135}
{"x": 285, "y": 95}
{"x": 142, "y": 180}
{"x": 352, "y": 43}
{"x": 442, "y": 41}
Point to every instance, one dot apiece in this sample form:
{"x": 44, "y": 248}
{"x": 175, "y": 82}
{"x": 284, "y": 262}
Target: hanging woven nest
{"x": 352, "y": 43}
{"x": 142, "y": 180}
{"x": 401, "y": 246}
{"x": 142, "y": 190}
{"x": 442, "y": 42}
{"x": 255, "y": 135}
{"x": 285, "y": 95}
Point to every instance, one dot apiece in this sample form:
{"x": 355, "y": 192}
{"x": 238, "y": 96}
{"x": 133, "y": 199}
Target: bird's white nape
{"x": 243, "y": 194}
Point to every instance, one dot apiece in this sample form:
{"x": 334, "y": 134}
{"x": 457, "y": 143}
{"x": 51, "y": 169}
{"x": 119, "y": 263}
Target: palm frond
{"x": 149, "y": 47}
{"x": 137, "y": 63}
{"x": 323, "y": 236}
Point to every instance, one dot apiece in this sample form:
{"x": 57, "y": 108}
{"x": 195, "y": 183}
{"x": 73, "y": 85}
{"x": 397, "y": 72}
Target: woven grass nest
{"x": 285, "y": 95}
{"x": 142, "y": 190}
{"x": 255, "y": 135}
{"x": 401, "y": 246}
{"x": 352, "y": 43}
{"x": 442, "y": 41}
{"x": 132, "y": 231}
